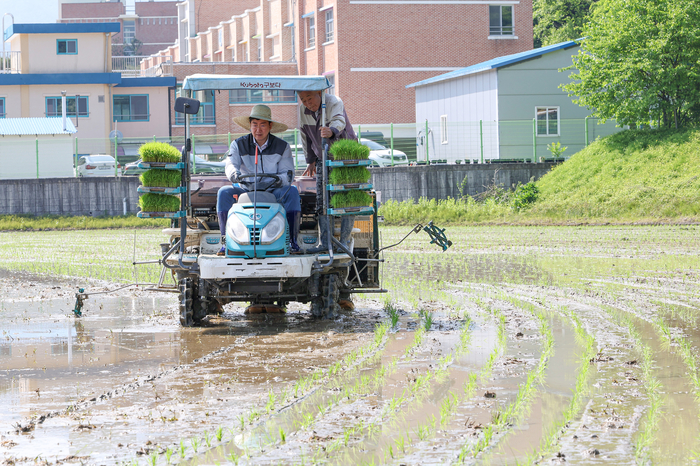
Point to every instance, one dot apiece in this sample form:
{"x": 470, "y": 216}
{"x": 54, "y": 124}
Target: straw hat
{"x": 261, "y": 112}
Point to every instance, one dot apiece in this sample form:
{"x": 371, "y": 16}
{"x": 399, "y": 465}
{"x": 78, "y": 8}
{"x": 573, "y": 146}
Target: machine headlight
{"x": 237, "y": 231}
{"x": 273, "y": 230}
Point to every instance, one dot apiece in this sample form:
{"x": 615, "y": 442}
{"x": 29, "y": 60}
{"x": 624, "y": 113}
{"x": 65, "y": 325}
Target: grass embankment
{"x": 632, "y": 176}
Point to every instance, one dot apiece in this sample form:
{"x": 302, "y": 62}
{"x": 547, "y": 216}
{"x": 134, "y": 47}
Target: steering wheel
{"x": 276, "y": 181}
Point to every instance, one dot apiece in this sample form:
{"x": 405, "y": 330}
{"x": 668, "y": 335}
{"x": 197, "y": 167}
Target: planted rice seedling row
{"x": 291, "y": 395}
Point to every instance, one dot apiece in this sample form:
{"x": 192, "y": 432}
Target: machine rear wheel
{"x": 191, "y": 309}
{"x": 326, "y": 305}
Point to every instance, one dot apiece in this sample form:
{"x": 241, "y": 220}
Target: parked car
{"x": 381, "y": 156}
{"x": 200, "y": 166}
{"x": 97, "y": 165}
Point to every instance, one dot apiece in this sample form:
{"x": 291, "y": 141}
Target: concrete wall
{"x": 443, "y": 181}
{"x": 103, "y": 196}
{"x": 69, "y": 196}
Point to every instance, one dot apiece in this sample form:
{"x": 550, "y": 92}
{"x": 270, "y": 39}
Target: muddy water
{"x": 125, "y": 382}
{"x": 125, "y": 377}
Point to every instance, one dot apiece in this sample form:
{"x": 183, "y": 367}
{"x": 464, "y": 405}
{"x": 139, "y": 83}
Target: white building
{"x": 36, "y": 148}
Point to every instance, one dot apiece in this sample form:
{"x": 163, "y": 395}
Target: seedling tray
{"x": 161, "y": 165}
{"x": 359, "y": 210}
{"x": 161, "y": 190}
{"x": 347, "y": 163}
{"x": 349, "y": 187}
{"x": 178, "y": 214}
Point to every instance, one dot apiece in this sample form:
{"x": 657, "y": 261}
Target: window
{"x": 67, "y": 46}
{"x": 221, "y": 38}
{"x": 443, "y": 129}
{"x": 500, "y": 20}
{"x": 548, "y": 121}
{"x": 331, "y": 80}
{"x": 129, "y": 31}
{"x": 207, "y": 109}
{"x": 260, "y": 40}
{"x": 311, "y": 42}
{"x": 130, "y": 108}
{"x": 54, "y": 106}
{"x": 329, "y": 25}
{"x": 250, "y": 96}
{"x": 2, "y": 108}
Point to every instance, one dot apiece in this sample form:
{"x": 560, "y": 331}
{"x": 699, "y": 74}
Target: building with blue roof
{"x": 102, "y": 94}
{"x": 510, "y": 107}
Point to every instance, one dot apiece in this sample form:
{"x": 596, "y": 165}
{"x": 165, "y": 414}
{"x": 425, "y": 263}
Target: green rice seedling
{"x": 219, "y": 433}
{"x": 428, "y": 319}
{"x": 168, "y": 455}
{"x": 153, "y": 458}
{"x": 349, "y": 175}
{"x": 159, "y": 152}
{"x": 233, "y": 457}
{"x": 283, "y": 436}
{"x": 270, "y": 401}
{"x": 195, "y": 443}
{"x": 207, "y": 438}
{"x": 161, "y": 178}
{"x": 152, "y": 202}
{"x": 351, "y": 199}
{"x": 349, "y": 149}
{"x": 183, "y": 448}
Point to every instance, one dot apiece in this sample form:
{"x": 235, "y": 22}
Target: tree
{"x": 640, "y": 62}
{"x": 559, "y": 20}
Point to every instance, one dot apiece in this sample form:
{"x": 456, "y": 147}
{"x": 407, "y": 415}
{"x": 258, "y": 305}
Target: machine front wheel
{"x": 326, "y": 305}
{"x": 191, "y": 309}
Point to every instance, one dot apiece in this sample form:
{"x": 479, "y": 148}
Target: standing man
{"x": 335, "y": 127}
{"x": 274, "y": 157}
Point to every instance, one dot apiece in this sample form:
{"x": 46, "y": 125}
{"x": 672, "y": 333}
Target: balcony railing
{"x": 135, "y": 67}
{"x": 10, "y": 62}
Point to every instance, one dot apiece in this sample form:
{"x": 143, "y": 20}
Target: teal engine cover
{"x": 266, "y": 235}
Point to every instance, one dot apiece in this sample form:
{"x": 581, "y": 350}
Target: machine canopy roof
{"x": 203, "y": 82}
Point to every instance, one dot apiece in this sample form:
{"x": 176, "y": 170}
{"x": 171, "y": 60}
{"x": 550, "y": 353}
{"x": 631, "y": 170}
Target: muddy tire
{"x": 191, "y": 309}
{"x": 326, "y": 305}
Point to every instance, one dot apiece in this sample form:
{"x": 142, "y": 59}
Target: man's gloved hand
{"x": 234, "y": 178}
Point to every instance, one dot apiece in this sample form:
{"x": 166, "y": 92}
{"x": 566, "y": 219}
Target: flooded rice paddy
{"x": 519, "y": 345}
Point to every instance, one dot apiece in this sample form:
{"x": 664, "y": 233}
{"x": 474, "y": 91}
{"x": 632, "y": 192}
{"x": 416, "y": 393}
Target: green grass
{"x": 161, "y": 178}
{"x": 159, "y": 152}
{"x": 349, "y": 149}
{"x": 81, "y": 222}
{"x": 633, "y": 176}
{"x": 629, "y": 175}
{"x": 151, "y": 202}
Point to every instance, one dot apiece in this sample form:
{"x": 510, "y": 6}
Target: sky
{"x": 29, "y": 11}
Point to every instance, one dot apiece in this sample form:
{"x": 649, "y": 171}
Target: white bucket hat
{"x": 261, "y": 112}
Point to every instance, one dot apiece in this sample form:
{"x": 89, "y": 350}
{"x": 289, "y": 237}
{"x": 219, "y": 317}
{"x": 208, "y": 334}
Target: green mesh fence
{"x": 421, "y": 143}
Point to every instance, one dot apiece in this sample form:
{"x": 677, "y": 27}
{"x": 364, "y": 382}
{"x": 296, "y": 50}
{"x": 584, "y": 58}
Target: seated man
{"x": 274, "y": 157}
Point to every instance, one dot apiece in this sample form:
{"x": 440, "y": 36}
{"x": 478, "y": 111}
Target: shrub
{"x": 524, "y": 195}
{"x": 159, "y": 152}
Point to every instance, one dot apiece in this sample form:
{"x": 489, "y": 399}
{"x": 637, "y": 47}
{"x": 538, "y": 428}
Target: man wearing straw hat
{"x": 273, "y": 156}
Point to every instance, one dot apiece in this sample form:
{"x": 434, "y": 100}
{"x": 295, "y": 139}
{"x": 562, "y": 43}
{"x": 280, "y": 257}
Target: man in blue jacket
{"x": 274, "y": 157}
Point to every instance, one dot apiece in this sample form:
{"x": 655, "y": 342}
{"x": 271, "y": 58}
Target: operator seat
{"x": 255, "y": 197}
